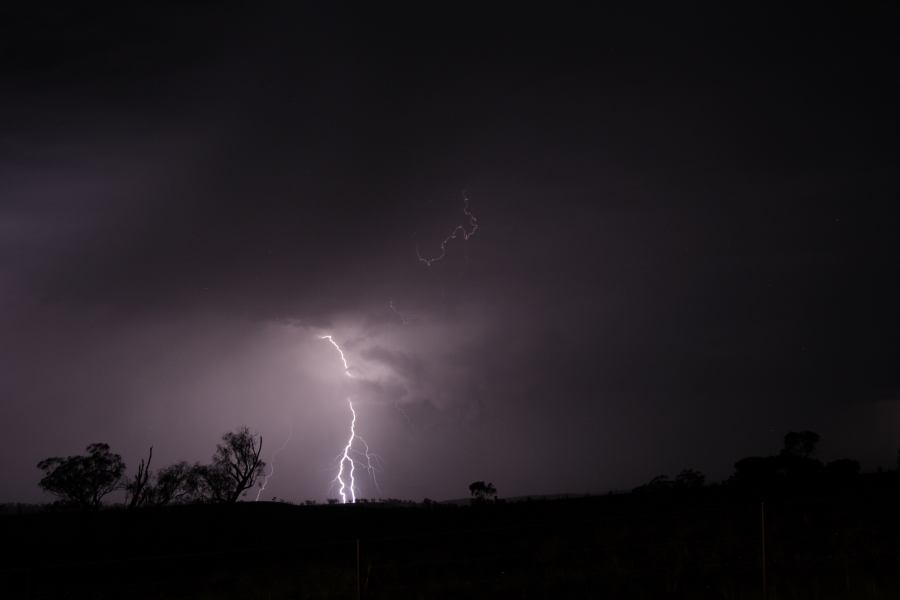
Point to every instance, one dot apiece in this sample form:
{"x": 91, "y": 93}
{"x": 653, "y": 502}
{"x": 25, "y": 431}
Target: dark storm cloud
{"x": 686, "y": 246}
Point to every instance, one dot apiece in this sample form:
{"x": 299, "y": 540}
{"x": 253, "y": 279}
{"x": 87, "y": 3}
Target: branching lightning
{"x": 346, "y": 475}
{"x": 271, "y": 472}
{"x": 371, "y": 462}
{"x": 345, "y": 458}
{"x": 458, "y": 230}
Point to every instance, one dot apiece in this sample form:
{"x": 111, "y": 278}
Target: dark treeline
{"x": 782, "y": 526}
{"x": 793, "y": 470}
{"x": 82, "y": 481}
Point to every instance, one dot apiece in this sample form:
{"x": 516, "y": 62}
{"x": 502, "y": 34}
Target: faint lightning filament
{"x": 371, "y": 462}
{"x": 458, "y": 230}
{"x": 271, "y": 472}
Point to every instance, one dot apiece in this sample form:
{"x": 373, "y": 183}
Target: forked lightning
{"x": 346, "y": 476}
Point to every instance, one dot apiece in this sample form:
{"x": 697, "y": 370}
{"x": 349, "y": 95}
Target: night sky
{"x": 687, "y": 242}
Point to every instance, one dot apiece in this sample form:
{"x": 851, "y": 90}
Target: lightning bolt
{"x": 341, "y": 352}
{"x": 271, "y": 472}
{"x": 346, "y": 475}
{"x": 371, "y": 462}
{"x": 459, "y": 229}
{"x": 347, "y": 459}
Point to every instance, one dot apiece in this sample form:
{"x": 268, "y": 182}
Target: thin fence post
{"x": 762, "y": 533}
{"x": 358, "y": 582}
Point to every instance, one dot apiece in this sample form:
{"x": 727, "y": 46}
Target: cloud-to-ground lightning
{"x": 346, "y": 475}
{"x": 458, "y": 230}
{"x": 271, "y": 472}
{"x": 346, "y": 458}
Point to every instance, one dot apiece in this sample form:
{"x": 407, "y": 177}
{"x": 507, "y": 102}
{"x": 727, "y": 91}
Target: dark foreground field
{"x": 703, "y": 544}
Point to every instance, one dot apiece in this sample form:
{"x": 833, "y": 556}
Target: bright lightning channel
{"x": 346, "y": 476}
{"x": 347, "y": 459}
{"x": 341, "y": 352}
{"x": 459, "y": 229}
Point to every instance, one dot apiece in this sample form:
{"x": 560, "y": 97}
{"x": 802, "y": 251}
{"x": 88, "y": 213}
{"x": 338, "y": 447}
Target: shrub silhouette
{"x": 687, "y": 479}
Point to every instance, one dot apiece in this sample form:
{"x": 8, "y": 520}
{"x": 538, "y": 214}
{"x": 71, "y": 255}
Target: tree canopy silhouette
{"x": 482, "y": 492}
{"x": 800, "y": 444}
{"x": 690, "y": 479}
{"x": 179, "y": 483}
{"x": 794, "y": 468}
{"x": 83, "y": 480}
{"x": 687, "y": 479}
{"x": 235, "y": 467}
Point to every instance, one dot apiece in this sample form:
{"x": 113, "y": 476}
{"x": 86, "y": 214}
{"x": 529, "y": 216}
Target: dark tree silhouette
{"x": 215, "y": 484}
{"x": 800, "y": 444}
{"x": 757, "y": 472}
{"x": 482, "y": 492}
{"x": 83, "y": 480}
{"x": 236, "y": 466}
{"x": 842, "y": 471}
{"x": 137, "y": 488}
{"x": 179, "y": 483}
{"x": 690, "y": 479}
{"x": 796, "y": 465}
{"x": 792, "y": 469}
{"x": 687, "y": 479}
{"x": 660, "y": 483}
